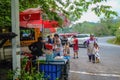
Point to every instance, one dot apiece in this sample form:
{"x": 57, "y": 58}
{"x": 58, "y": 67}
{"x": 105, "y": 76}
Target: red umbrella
{"x": 52, "y": 30}
{"x": 50, "y": 24}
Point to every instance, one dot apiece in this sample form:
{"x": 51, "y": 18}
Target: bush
{"x": 118, "y": 35}
{"x": 31, "y": 74}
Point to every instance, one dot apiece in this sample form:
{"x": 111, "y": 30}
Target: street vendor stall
{"x": 53, "y": 67}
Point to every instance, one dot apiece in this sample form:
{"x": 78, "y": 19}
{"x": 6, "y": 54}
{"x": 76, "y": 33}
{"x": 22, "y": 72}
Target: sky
{"x": 91, "y": 17}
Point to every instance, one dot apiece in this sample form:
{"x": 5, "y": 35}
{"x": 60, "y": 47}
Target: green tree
{"x": 99, "y": 29}
{"x": 5, "y": 13}
{"x": 117, "y": 33}
{"x": 72, "y": 9}
{"x": 110, "y": 24}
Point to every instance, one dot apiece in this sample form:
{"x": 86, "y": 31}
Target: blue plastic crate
{"x": 51, "y": 71}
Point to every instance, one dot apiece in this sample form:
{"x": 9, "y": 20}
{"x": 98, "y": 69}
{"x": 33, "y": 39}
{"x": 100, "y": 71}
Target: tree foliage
{"x": 117, "y": 33}
{"x": 110, "y": 24}
{"x": 70, "y": 8}
{"x": 104, "y": 28}
{"x": 5, "y": 13}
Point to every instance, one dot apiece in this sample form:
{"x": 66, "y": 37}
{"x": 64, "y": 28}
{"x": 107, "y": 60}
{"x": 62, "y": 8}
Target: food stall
{"x": 53, "y": 67}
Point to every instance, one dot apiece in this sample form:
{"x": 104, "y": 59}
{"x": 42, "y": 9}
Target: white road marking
{"x": 98, "y": 74}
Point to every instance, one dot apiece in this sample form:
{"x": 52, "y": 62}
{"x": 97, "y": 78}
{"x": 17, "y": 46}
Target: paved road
{"x": 107, "y": 69}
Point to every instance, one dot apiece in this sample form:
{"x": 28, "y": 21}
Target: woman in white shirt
{"x": 57, "y": 45}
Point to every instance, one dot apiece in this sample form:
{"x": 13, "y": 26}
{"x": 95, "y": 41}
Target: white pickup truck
{"x": 82, "y": 38}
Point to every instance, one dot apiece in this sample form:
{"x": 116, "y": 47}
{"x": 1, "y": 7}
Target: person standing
{"x": 96, "y": 52}
{"x": 66, "y": 49}
{"x": 50, "y": 41}
{"x": 75, "y": 47}
{"x": 57, "y": 46}
{"x": 37, "y": 47}
{"x": 64, "y": 40}
{"x": 90, "y": 48}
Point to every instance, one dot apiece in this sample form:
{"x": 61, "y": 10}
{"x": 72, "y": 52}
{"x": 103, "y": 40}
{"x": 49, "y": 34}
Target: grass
{"x": 114, "y": 41}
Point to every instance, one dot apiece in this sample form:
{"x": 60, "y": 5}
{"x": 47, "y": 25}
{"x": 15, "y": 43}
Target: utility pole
{"x": 16, "y": 40}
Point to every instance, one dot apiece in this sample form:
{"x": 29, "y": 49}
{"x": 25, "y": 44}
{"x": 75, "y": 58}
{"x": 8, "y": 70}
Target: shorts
{"x": 75, "y": 50}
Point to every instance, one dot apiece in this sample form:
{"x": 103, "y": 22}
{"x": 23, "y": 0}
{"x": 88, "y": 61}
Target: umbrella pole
{"x": 42, "y": 31}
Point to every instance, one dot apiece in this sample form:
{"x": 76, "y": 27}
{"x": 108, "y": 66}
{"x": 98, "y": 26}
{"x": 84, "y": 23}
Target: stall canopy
{"x": 30, "y": 14}
{"x": 39, "y": 24}
{"x": 31, "y": 18}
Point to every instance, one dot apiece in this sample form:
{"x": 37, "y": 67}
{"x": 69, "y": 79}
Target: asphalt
{"x": 107, "y": 69}
{"x": 82, "y": 69}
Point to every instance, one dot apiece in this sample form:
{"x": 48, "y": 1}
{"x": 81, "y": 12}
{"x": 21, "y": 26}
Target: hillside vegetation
{"x": 106, "y": 27}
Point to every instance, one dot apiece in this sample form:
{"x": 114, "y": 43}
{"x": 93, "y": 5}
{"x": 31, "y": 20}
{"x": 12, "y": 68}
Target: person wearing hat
{"x": 75, "y": 47}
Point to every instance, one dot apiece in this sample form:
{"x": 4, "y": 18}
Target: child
{"x": 66, "y": 49}
{"x": 75, "y": 47}
{"x": 49, "y": 52}
{"x": 96, "y": 50}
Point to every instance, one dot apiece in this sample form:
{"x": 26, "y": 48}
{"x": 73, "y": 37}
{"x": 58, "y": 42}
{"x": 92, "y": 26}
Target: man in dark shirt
{"x": 49, "y": 40}
{"x": 64, "y": 40}
{"x": 37, "y": 47}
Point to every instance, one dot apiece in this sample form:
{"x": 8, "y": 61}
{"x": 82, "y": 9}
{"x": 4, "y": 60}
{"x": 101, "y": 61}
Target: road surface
{"x": 107, "y": 69}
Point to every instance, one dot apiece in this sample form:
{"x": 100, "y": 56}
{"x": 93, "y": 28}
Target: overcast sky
{"x": 91, "y": 17}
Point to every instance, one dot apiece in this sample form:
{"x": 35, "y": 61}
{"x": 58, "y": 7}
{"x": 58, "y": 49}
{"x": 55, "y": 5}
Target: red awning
{"x": 30, "y": 14}
{"x": 38, "y": 24}
{"x": 31, "y": 11}
{"x": 30, "y": 18}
